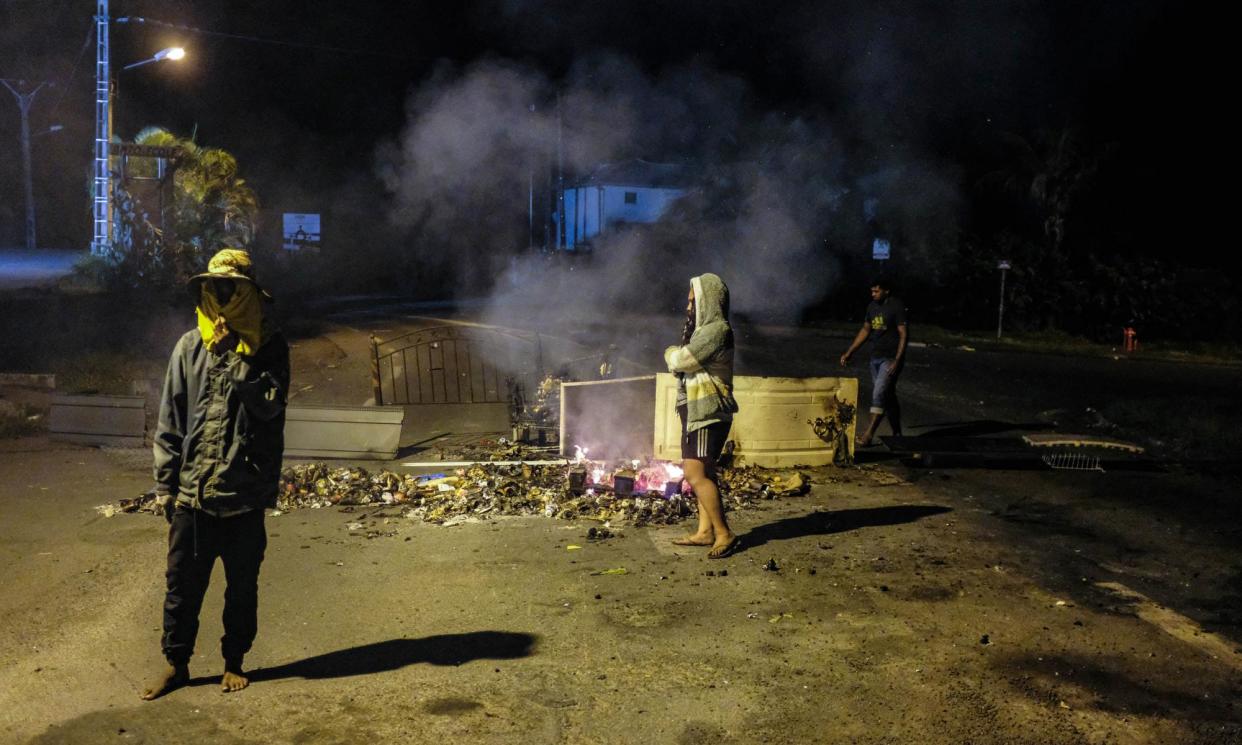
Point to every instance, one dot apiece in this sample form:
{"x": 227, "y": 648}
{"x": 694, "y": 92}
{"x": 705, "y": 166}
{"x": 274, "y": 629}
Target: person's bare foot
{"x": 696, "y": 539}
{"x": 168, "y": 681}
{"x": 234, "y": 679}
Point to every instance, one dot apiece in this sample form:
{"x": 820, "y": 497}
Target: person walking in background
{"x": 885, "y": 325}
{"x": 703, "y": 364}
{"x": 218, "y": 447}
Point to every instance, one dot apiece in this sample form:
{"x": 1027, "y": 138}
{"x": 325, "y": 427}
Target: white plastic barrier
{"x": 637, "y": 417}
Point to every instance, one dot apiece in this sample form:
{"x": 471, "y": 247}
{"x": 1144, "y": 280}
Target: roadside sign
{"x": 881, "y": 249}
{"x": 1003, "y": 265}
{"x": 301, "y": 231}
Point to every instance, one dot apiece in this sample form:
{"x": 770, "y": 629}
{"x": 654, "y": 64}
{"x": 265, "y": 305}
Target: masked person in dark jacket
{"x": 218, "y": 447}
{"x": 703, "y": 364}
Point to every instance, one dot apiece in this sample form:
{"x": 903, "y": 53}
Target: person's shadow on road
{"x": 839, "y": 521}
{"x": 393, "y": 654}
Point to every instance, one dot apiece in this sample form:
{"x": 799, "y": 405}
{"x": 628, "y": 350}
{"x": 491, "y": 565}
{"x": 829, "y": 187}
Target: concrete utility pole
{"x": 24, "y": 100}
{"x": 1003, "y": 265}
{"x": 101, "y": 207}
{"x": 561, "y": 230}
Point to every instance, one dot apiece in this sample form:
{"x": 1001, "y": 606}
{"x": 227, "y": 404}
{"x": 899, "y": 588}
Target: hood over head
{"x": 711, "y": 299}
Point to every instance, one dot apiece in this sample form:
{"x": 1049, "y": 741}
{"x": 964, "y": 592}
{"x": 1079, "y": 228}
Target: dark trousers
{"x": 195, "y": 540}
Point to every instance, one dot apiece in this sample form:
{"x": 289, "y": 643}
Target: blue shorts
{"x": 883, "y": 383}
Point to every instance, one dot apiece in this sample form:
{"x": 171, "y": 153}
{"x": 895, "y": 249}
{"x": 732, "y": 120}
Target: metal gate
{"x": 452, "y": 365}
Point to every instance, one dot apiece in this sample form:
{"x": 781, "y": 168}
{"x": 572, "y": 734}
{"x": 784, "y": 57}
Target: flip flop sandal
{"x": 729, "y": 549}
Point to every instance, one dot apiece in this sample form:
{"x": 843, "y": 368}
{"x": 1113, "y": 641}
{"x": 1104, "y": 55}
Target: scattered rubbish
{"x": 742, "y": 485}
{"x": 107, "y": 510}
{"x": 459, "y": 520}
{"x": 709, "y": 573}
{"x": 834, "y": 429}
{"x": 752, "y": 615}
{"x": 623, "y": 484}
{"x": 618, "y": 570}
{"x": 480, "y": 489}
{"x": 572, "y": 547}
{"x": 771, "y": 566}
{"x": 577, "y": 480}
{"x": 723, "y": 573}
{"x": 779, "y": 616}
{"x": 964, "y": 348}
{"x": 984, "y": 640}
{"x": 1061, "y": 603}
{"x": 483, "y": 490}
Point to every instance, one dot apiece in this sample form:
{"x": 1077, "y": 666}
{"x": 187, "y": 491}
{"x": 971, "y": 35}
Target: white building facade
{"x": 613, "y": 196}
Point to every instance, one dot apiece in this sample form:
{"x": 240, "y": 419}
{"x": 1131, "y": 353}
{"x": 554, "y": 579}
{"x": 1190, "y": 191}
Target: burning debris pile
{"x": 480, "y": 490}
{"x": 626, "y": 493}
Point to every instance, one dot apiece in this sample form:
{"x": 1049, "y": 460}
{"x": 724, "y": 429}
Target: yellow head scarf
{"x": 243, "y": 315}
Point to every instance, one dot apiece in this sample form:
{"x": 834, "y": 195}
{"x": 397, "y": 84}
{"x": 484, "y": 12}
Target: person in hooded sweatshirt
{"x": 218, "y": 447}
{"x": 703, "y": 363}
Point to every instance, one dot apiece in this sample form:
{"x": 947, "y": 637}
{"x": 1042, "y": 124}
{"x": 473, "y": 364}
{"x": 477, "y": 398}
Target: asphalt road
{"x": 945, "y": 605}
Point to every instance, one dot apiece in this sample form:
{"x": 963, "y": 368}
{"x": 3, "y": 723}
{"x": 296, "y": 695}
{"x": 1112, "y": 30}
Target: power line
{"x": 90, "y": 34}
{"x": 256, "y": 39}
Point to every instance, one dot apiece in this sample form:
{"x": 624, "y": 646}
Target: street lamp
{"x": 172, "y": 53}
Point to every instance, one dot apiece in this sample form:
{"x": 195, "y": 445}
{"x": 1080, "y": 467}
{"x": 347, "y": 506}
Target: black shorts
{"x": 705, "y": 443}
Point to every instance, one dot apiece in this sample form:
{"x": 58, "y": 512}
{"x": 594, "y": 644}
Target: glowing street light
{"x": 172, "y": 53}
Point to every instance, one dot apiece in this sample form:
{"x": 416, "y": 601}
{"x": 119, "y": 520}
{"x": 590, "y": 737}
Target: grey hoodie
{"x": 706, "y": 361}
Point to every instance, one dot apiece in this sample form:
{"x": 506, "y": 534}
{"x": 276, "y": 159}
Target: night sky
{"x": 930, "y": 88}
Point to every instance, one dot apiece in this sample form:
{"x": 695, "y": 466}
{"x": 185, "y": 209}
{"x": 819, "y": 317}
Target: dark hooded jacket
{"x": 706, "y": 361}
{"x": 220, "y": 436}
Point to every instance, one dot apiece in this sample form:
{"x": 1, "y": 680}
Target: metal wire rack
{"x": 1072, "y": 462}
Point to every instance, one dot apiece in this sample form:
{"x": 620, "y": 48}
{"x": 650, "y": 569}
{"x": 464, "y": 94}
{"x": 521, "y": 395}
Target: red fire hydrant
{"x": 1131, "y": 339}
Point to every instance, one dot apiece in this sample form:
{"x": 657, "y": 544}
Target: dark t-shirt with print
{"x": 883, "y": 320}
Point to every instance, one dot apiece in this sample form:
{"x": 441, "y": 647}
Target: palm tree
{"x": 1044, "y": 179}
{"x": 211, "y": 208}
